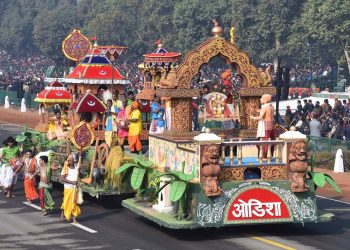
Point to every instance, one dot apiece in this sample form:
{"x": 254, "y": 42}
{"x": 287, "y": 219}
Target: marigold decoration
{"x": 81, "y": 136}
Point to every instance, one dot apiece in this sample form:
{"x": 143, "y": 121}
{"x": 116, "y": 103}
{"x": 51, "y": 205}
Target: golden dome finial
{"x": 216, "y": 30}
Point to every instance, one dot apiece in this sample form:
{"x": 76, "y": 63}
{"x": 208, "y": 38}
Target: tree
{"x": 264, "y": 26}
{"x": 329, "y": 22}
{"x": 51, "y": 27}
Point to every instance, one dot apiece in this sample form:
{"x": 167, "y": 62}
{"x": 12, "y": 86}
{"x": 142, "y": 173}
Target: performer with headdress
{"x": 135, "y": 128}
{"x": 69, "y": 177}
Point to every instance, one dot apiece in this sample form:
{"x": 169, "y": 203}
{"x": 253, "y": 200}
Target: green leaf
{"x": 126, "y": 174}
{"x": 147, "y": 164}
{"x": 160, "y": 189}
{"x": 319, "y": 179}
{"x": 21, "y": 138}
{"x": 177, "y": 189}
{"x": 137, "y": 177}
{"x": 124, "y": 167}
{"x": 332, "y": 183}
{"x": 187, "y": 177}
{"x": 312, "y": 163}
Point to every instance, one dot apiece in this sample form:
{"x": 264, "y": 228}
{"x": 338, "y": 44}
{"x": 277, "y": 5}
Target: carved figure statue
{"x": 211, "y": 170}
{"x": 265, "y": 120}
{"x": 168, "y": 79}
{"x": 265, "y": 76}
{"x": 298, "y": 165}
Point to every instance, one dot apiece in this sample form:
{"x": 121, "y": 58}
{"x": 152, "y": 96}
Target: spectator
{"x": 315, "y": 127}
{"x": 311, "y": 106}
{"x": 299, "y": 107}
{"x": 305, "y": 107}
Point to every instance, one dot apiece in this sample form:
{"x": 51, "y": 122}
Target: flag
{"x": 159, "y": 41}
{"x": 93, "y": 38}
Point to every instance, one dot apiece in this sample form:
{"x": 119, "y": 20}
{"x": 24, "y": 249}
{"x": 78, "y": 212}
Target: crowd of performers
{"x": 15, "y": 163}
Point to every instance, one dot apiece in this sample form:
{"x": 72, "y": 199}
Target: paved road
{"x": 24, "y": 227}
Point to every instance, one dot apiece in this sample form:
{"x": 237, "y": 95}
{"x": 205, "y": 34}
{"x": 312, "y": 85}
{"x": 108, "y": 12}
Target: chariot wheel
{"x": 102, "y": 153}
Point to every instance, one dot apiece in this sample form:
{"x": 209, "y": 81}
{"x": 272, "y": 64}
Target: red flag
{"x": 159, "y": 41}
{"x": 93, "y": 38}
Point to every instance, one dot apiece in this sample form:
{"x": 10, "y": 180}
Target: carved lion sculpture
{"x": 211, "y": 170}
{"x": 168, "y": 79}
{"x": 265, "y": 76}
{"x": 298, "y": 165}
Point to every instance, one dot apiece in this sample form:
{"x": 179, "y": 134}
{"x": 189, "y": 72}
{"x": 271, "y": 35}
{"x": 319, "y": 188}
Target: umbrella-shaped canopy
{"x": 95, "y": 68}
{"x": 88, "y": 103}
{"x": 54, "y": 93}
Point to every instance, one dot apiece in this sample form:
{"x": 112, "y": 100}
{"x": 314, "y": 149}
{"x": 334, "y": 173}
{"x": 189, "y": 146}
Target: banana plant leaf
{"x": 332, "y": 183}
{"x": 126, "y": 174}
{"x": 177, "y": 189}
{"x": 21, "y": 138}
{"x": 124, "y": 167}
{"x": 319, "y": 179}
{"x": 137, "y": 177}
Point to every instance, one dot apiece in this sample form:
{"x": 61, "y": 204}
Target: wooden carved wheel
{"x": 102, "y": 153}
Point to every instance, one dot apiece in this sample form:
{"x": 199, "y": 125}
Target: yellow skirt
{"x": 70, "y": 208}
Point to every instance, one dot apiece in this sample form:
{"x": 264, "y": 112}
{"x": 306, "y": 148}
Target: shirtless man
{"x": 45, "y": 185}
{"x": 30, "y": 172}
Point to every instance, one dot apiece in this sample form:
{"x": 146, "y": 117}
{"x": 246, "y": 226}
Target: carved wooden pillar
{"x": 181, "y": 114}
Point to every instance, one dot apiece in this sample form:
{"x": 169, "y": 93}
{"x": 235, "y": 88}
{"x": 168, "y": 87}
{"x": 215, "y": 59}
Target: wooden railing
{"x": 239, "y": 144}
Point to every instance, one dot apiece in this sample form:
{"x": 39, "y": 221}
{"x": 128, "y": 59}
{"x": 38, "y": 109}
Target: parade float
{"x": 82, "y": 124}
{"x": 192, "y": 180}
{"x": 158, "y": 70}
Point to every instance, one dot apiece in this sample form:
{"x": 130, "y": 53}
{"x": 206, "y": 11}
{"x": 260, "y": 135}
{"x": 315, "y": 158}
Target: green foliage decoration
{"x": 320, "y": 179}
{"x": 138, "y": 169}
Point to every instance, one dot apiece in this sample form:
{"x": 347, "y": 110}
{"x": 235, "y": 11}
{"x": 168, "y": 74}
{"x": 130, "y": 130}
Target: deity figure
{"x": 265, "y": 76}
{"x": 168, "y": 79}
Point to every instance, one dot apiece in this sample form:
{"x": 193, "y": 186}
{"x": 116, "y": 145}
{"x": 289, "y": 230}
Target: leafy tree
{"x": 51, "y": 27}
{"x": 264, "y": 26}
{"x": 329, "y": 22}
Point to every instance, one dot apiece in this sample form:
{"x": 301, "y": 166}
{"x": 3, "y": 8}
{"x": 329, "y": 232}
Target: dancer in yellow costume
{"x": 69, "y": 177}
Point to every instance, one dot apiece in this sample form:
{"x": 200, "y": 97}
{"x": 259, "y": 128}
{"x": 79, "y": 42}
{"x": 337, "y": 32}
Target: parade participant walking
{"x": 123, "y": 127}
{"x": 7, "y": 176}
{"x": 12, "y": 170}
{"x": 69, "y": 177}
{"x": 45, "y": 185}
{"x": 30, "y": 172}
{"x": 135, "y": 128}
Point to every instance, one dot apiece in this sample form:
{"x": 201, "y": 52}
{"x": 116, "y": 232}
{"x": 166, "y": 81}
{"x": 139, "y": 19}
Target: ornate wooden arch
{"x": 212, "y": 47}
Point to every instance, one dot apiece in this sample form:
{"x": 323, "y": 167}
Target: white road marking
{"x": 74, "y": 224}
{"x": 336, "y": 209}
{"x": 326, "y": 198}
{"x": 84, "y": 227}
{"x": 32, "y": 205}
